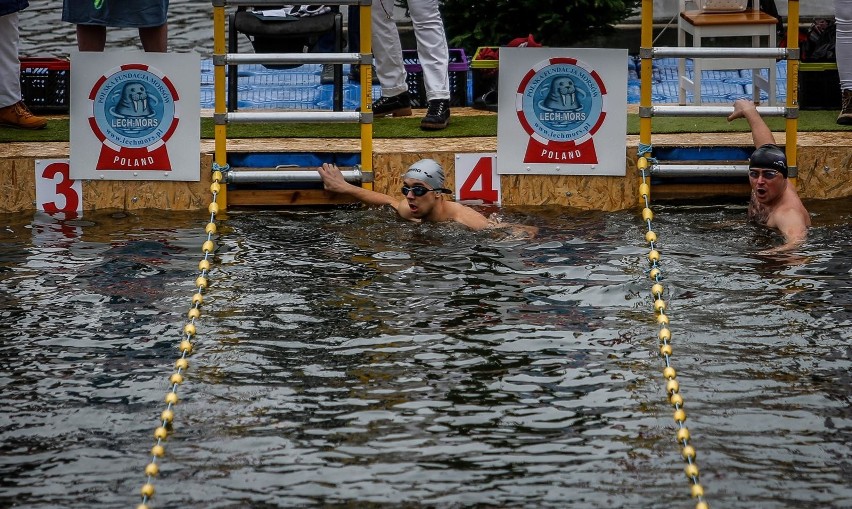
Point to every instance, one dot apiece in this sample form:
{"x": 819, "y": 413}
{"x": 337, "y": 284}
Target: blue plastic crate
{"x": 634, "y": 95}
{"x": 291, "y": 97}
{"x": 666, "y": 91}
{"x": 720, "y": 75}
{"x": 664, "y": 74}
{"x": 351, "y": 97}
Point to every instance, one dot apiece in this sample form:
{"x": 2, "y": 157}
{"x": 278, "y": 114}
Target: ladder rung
{"x": 246, "y": 117}
{"x": 711, "y": 111}
{"x": 699, "y": 170}
{"x": 705, "y": 52}
{"x": 270, "y": 175}
{"x": 277, "y": 3}
{"x": 292, "y": 58}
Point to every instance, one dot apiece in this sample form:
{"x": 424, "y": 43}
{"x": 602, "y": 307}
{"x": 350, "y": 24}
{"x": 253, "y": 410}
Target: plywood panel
{"x": 825, "y": 172}
{"x": 17, "y": 184}
{"x": 585, "y": 192}
{"x": 824, "y": 161}
{"x": 17, "y": 191}
{"x": 282, "y": 197}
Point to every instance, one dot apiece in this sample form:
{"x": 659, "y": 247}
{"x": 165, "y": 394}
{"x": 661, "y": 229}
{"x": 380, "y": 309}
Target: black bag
{"x": 820, "y": 43}
{"x": 283, "y": 35}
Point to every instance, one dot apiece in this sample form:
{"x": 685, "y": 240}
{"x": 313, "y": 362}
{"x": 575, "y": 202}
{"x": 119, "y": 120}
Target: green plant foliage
{"x": 473, "y": 23}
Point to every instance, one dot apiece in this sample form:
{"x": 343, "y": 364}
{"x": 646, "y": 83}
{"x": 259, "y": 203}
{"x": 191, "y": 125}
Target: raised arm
{"x": 334, "y": 182}
{"x": 760, "y": 133}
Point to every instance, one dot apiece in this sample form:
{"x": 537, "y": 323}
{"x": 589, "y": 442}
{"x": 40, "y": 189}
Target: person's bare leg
{"x": 91, "y": 37}
{"x": 155, "y": 39}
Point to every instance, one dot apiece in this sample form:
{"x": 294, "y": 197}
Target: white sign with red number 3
{"x": 55, "y": 191}
{"x": 477, "y": 180}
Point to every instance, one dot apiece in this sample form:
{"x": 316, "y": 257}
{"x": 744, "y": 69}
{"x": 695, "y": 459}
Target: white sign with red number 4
{"x": 477, "y": 180}
{"x": 55, "y": 191}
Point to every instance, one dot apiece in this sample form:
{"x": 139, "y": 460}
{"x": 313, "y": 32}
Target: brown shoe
{"x": 18, "y": 115}
{"x": 845, "y": 117}
{"x": 393, "y": 106}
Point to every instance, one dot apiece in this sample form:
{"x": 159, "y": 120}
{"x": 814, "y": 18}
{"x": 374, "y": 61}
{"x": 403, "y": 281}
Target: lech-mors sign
{"x": 562, "y": 111}
{"x": 135, "y": 116}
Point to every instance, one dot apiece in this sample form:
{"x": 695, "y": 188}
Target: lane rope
{"x": 664, "y": 334}
{"x": 185, "y": 347}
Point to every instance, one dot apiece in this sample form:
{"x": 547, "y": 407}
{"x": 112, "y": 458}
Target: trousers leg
{"x": 10, "y": 65}
{"x": 387, "y": 49}
{"x": 432, "y": 50}
{"x": 843, "y": 20}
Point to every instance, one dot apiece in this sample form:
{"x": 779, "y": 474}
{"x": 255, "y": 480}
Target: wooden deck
{"x": 824, "y": 166}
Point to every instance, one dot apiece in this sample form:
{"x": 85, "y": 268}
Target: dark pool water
{"x": 347, "y": 359}
{"x": 190, "y": 26}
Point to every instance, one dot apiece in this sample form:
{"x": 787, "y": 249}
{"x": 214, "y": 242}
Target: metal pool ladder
{"x": 362, "y": 175}
{"x": 647, "y": 110}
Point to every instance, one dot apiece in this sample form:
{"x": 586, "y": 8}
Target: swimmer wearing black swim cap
{"x": 774, "y": 202}
{"x": 769, "y": 157}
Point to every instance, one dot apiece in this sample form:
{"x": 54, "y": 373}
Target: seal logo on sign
{"x": 134, "y": 101}
{"x": 561, "y": 104}
{"x": 563, "y": 95}
{"x": 133, "y": 115}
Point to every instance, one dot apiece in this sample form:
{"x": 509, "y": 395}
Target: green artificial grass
{"x": 460, "y": 127}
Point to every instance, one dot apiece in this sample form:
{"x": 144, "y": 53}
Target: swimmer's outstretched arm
{"x": 760, "y": 132}
{"x": 334, "y": 182}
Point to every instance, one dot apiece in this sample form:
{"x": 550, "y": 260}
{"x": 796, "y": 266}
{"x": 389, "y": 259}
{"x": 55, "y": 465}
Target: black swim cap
{"x": 769, "y": 157}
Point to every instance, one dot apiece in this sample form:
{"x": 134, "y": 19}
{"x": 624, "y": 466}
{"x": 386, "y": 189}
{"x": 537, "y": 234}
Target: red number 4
{"x": 481, "y": 172}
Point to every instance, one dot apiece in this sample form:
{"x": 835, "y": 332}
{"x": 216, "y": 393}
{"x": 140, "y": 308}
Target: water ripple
{"x": 421, "y": 365}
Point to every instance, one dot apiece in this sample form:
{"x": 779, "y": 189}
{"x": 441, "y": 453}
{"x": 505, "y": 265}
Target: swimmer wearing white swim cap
{"x": 424, "y": 195}
{"x": 424, "y": 199}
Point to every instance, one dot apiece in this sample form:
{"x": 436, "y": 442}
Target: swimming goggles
{"x": 767, "y": 174}
{"x": 421, "y": 191}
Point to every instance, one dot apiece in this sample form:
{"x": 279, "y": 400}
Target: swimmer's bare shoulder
{"x": 466, "y": 216}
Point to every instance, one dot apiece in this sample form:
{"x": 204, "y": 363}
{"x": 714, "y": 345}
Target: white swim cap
{"x": 427, "y": 170}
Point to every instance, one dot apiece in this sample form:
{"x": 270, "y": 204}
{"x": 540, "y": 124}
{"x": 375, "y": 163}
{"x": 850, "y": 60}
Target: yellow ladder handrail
{"x": 222, "y": 116}
{"x": 791, "y": 54}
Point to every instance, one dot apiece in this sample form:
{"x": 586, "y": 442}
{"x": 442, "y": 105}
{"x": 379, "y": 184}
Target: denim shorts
{"x": 116, "y": 13}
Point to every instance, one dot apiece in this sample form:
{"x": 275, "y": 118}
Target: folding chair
{"x": 714, "y": 22}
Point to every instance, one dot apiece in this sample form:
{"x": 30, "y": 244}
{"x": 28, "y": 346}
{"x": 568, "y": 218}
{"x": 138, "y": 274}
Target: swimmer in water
{"x": 774, "y": 201}
{"x": 423, "y": 197}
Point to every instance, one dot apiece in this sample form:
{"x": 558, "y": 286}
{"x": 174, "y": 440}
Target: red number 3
{"x": 63, "y": 187}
